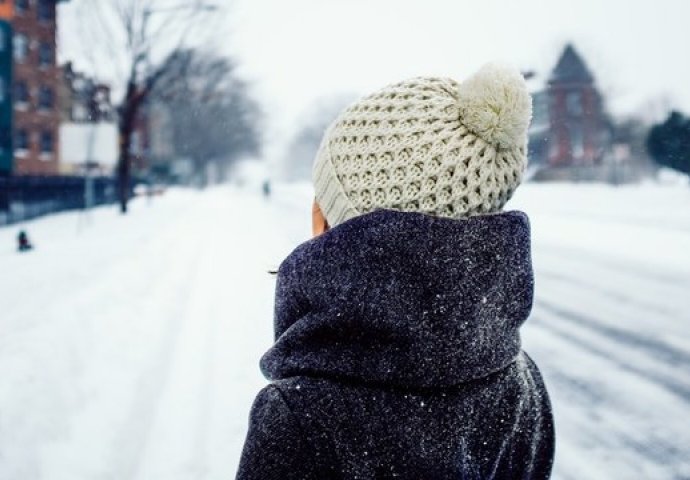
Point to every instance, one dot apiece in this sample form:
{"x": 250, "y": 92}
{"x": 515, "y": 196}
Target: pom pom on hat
{"x": 495, "y": 105}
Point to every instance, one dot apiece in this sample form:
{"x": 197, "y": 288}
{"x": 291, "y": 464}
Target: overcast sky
{"x": 300, "y": 51}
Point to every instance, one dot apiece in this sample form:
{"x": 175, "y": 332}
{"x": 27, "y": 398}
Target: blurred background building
{"x": 82, "y": 98}
{"x": 6, "y": 107}
{"x": 573, "y": 138}
{"x": 88, "y": 131}
{"x": 33, "y": 117}
{"x": 36, "y": 82}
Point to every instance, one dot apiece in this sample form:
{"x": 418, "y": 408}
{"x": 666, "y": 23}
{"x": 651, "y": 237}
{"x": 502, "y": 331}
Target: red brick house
{"x": 570, "y": 127}
{"x": 36, "y": 82}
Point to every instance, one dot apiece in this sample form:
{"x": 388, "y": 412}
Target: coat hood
{"x": 404, "y": 299}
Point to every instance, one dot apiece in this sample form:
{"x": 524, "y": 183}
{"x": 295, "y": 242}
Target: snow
{"x": 129, "y": 345}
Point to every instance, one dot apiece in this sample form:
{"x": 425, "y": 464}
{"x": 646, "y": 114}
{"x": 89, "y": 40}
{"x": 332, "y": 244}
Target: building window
{"x": 46, "y": 10}
{"x": 21, "y": 92}
{"x": 22, "y": 139}
{"x": 45, "y": 98}
{"x": 21, "y": 47}
{"x": 573, "y": 103}
{"x": 21, "y": 6}
{"x": 45, "y": 54}
{"x": 46, "y": 142}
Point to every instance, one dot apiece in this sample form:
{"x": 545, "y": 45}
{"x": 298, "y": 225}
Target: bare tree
{"x": 215, "y": 117}
{"x": 141, "y": 40}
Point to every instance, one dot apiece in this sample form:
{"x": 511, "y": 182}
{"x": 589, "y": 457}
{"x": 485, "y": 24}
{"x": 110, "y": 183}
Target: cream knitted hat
{"x": 427, "y": 145}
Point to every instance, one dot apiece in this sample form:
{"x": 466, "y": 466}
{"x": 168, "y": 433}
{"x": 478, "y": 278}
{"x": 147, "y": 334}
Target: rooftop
{"x": 570, "y": 68}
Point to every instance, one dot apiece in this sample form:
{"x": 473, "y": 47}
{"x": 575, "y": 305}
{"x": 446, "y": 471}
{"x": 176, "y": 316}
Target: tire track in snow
{"x": 189, "y": 434}
{"x": 656, "y": 447}
{"x": 655, "y": 348}
{"x": 130, "y": 447}
{"x": 603, "y": 416}
{"x": 617, "y": 296}
{"x": 670, "y": 384}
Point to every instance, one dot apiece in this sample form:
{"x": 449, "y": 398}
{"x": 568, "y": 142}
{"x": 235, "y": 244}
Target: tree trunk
{"x": 128, "y": 114}
{"x": 124, "y": 166}
{"x": 201, "y": 171}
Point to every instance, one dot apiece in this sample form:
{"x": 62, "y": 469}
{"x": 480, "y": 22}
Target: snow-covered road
{"x": 129, "y": 345}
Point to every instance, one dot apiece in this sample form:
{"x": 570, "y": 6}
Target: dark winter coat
{"x": 397, "y": 356}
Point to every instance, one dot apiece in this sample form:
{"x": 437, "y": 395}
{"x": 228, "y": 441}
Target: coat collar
{"x": 404, "y": 299}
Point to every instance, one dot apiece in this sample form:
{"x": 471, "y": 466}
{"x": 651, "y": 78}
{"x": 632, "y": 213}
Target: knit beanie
{"x": 429, "y": 145}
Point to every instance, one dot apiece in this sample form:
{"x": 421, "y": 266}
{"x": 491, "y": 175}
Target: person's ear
{"x": 319, "y": 224}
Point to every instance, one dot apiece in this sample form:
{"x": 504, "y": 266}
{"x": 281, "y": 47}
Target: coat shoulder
{"x": 275, "y": 446}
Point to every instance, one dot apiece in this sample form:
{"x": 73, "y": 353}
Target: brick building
{"x": 82, "y": 99}
{"x": 36, "y": 83}
{"x": 570, "y": 129}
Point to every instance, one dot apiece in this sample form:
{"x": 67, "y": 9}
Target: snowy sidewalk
{"x": 129, "y": 350}
{"x": 129, "y": 345}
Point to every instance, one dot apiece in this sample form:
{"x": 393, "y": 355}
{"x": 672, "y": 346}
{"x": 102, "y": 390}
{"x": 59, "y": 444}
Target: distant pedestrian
{"x": 23, "y": 242}
{"x": 266, "y": 188}
{"x": 397, "y": 352}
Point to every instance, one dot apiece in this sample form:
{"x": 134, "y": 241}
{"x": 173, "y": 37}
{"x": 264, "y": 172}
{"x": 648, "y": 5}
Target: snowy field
{"x": 129, "y": 345}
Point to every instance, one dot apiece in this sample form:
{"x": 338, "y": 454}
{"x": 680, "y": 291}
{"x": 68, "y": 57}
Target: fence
{"x": 26, "y": 197}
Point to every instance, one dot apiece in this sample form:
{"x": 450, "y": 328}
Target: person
{"x": 23, "y": 242}
{"x": 397, "y": 352}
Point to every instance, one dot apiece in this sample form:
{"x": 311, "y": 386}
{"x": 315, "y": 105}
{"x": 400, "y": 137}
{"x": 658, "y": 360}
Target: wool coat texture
{"x": 397, "y": 356}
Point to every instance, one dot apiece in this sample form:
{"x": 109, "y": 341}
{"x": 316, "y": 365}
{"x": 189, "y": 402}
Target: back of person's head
{"x": 428, "y": 145}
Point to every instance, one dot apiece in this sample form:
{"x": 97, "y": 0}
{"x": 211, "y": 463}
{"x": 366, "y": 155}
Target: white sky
{"x": 299, "y": 51}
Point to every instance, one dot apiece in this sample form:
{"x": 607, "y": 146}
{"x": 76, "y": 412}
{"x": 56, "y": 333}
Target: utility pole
{"x": 89, "y": 163}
